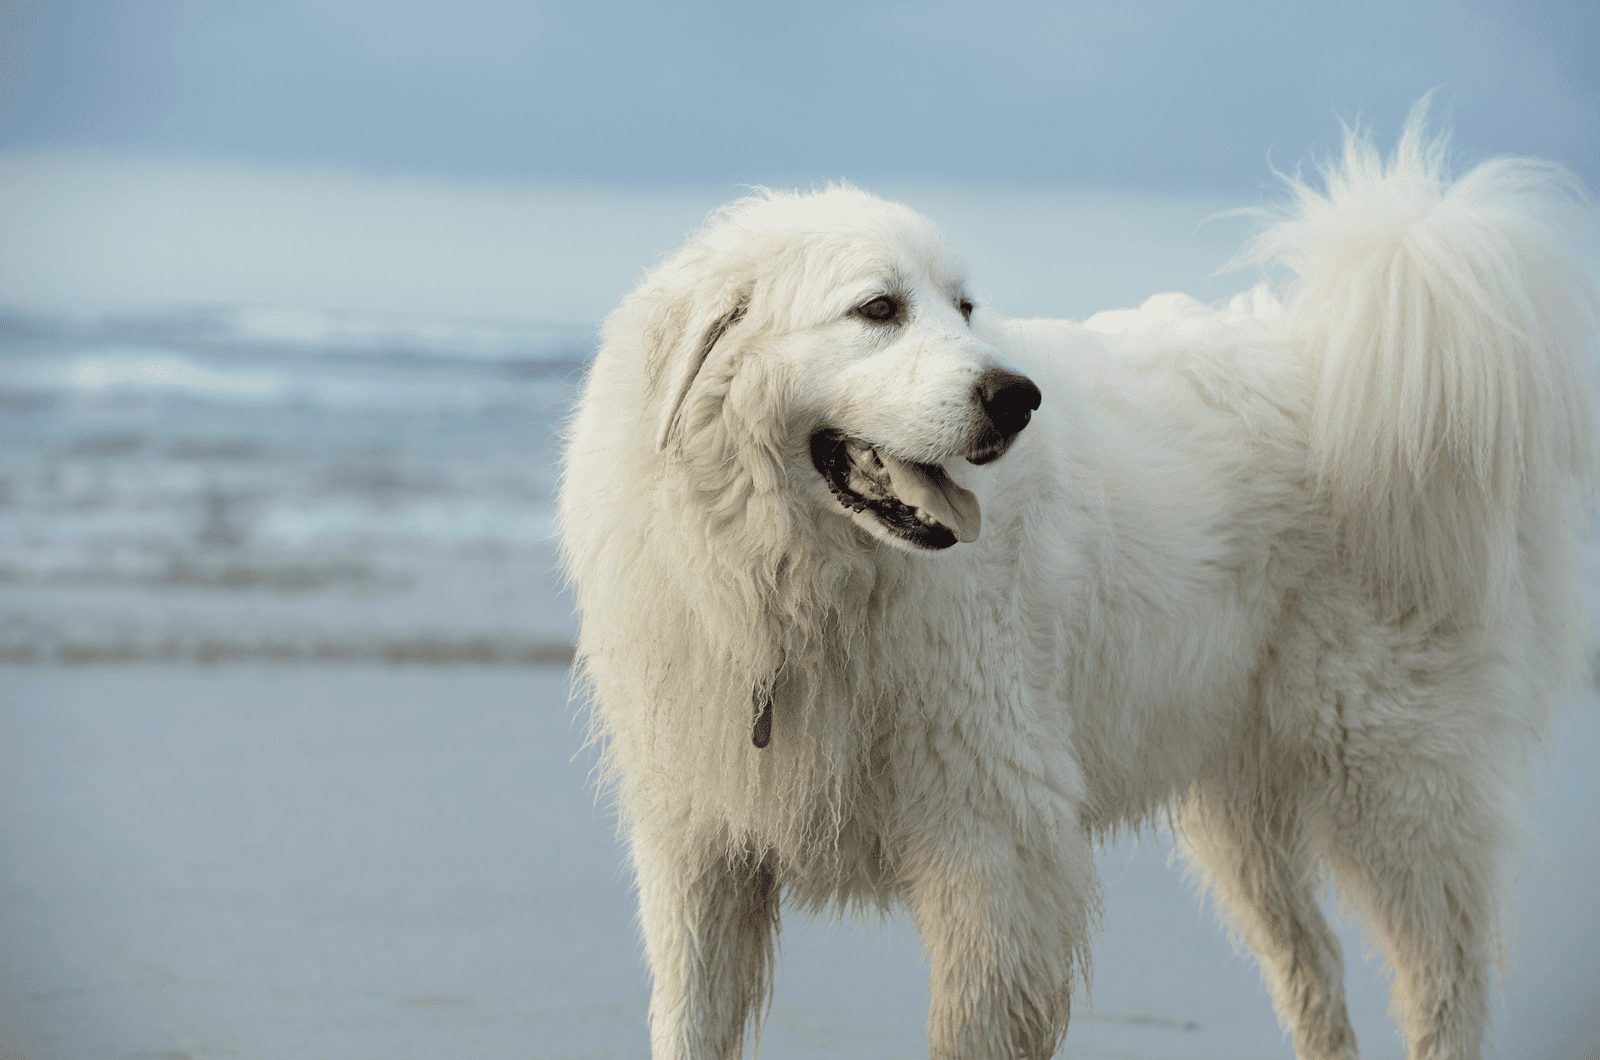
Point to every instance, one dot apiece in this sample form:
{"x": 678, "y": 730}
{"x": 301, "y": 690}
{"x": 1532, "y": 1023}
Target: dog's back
{"x": 1445, "y": 330}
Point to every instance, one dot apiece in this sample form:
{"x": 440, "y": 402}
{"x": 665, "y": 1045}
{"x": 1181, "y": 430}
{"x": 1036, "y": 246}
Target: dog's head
{"x": 833, "y": 332}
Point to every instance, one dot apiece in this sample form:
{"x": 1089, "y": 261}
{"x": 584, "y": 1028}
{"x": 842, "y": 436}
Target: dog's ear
{"x": 685, "y": 342}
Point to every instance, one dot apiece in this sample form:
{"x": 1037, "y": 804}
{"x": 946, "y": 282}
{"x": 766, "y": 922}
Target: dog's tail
{"x": 1448, "y": 329}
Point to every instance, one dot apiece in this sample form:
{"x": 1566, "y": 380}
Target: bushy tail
{"x": 1448, "y": 327}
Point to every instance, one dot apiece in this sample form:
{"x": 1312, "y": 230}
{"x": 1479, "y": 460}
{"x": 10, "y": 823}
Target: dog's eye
{"x": 880, "y": 308}
{"x": 965, "y": 305}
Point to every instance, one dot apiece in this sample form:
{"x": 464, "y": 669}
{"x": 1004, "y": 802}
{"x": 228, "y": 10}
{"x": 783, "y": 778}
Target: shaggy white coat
{"x": 1299, "y": 572}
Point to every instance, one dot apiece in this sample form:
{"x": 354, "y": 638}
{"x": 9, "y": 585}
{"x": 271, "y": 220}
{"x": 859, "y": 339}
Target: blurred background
{"x": 294, "y": 298}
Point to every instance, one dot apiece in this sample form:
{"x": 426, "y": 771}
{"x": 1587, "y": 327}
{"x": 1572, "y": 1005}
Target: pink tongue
{"x": 929, "y": 488}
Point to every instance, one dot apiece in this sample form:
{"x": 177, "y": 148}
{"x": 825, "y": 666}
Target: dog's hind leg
{"x": 1417, "y": 846}
{"x": 1250, "y": 845}
{"x": 709, "y": 918}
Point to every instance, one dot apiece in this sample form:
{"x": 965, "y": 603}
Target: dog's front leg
{"x": 1004, "y": 915}
{"x": 709, "y": 916}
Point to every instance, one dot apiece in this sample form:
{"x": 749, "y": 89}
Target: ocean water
{"x": 206, "y": 473}
{"x": 256, "y": 482}
{"x": 252, "y": 482}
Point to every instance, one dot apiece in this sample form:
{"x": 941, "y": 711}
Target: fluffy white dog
{"x": 887, "y": 600}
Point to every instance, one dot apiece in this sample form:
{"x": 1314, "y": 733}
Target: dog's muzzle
{"x": 919, "y": 503}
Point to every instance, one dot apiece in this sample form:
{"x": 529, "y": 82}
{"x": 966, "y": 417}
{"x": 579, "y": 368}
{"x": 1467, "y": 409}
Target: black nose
{"x": 1009, "y": 400}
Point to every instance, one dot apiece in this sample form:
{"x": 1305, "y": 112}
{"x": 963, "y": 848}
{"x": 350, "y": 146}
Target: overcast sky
{"x": 524, "y": 159}
{"x": 1165, "y": 95}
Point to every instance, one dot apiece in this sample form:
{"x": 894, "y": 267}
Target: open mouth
{"x": 917, "y": 503}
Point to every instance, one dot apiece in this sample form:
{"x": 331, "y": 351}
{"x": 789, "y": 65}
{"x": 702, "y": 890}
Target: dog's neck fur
{"x": 735, "y": 468}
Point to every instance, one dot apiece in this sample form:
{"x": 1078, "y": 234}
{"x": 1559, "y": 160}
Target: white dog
{"x": 1299, "y": 573}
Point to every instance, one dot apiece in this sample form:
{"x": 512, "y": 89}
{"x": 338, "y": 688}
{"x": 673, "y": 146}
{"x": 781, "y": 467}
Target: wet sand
{"x": 331, "y": 861}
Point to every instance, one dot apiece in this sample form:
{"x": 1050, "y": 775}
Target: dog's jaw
{"x": 916, "y": 507}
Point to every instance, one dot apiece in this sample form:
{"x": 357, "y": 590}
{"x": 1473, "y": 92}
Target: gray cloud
{"x": 1156, "y": 95}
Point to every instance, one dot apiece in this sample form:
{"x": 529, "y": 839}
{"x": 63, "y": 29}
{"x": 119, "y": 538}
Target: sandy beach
{"x": 360, "y": 862}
